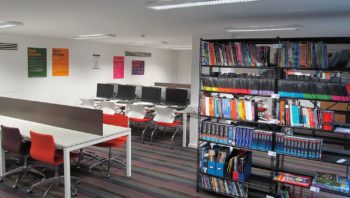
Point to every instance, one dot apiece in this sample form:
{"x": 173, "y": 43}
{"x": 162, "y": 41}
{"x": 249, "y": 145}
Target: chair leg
{"x": 118, "y": 161}
{"x": 17, "y": 179}
{"x": 32, "y": 170}
{"x": 14, "y": 171}
{"x": 97, "y": 163}
{"x": 172, "y": 138}
{"x": 109, "y": 162}
{"x": 155, "y": 129}
{"x": 50, "y": 187}
{"x": 144, "y": 131}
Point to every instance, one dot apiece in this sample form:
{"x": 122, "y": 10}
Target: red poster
{"x": 118, "y": 67}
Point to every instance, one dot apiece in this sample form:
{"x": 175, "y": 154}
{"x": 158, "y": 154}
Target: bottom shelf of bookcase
{"x": 335, "y": 192}
{"x": 251, "y": 193}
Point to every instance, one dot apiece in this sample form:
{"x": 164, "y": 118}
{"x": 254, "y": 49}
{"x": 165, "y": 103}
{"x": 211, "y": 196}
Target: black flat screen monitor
{"x": 151, "y": 94}
{"x": 105, "y": 90}
{"x": 126, "y": 92}
{"x": 176, "y": 96}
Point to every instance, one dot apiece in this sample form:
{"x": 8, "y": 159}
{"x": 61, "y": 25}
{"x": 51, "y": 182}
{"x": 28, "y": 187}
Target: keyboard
{"x": 144, "y": 103}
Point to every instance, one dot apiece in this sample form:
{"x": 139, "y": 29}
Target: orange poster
{"x": 60, "y": 62}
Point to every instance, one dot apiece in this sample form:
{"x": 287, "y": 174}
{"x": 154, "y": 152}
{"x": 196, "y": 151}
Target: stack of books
{"x": 293, "y": 114}
{"x": 235, "y": 109}
{"x": 223, "y": 186}
{"x": 331, "y": 182}
{"x": 293, "y": 179}
{"x": 235, "y": 54}
{"x": 303, "y": 55}
{"x": 254, "y": 86}
{"x": 298, "y": 146}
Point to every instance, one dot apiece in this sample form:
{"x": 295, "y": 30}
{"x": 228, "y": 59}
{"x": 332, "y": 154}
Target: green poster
{"x": 37, "y": 62}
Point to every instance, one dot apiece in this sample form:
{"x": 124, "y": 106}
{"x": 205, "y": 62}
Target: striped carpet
{"x": 157, "y": 171}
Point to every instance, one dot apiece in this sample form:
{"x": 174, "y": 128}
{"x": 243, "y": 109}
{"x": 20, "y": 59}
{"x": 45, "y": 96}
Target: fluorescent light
{"x": 95, "y": 36}
{"x": 145, "y": 43}
{"x": 198, "y": 4}
{"x": 181, "y": 48}
{"x": 264, "y": 28}
{"x": 8, "y": 24}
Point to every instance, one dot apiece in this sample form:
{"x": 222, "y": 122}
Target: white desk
{"x": 68, "y": 140}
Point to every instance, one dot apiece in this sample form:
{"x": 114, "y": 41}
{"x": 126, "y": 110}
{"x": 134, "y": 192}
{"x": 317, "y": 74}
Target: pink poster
{"x": 118, "y": 67}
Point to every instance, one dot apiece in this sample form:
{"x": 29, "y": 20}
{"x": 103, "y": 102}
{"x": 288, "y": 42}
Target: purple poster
{"x": 138, "y": 67}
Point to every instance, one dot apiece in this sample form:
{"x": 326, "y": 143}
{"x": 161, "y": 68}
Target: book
{"x": 331, "y": 182}
{"x": 293, "y": 179}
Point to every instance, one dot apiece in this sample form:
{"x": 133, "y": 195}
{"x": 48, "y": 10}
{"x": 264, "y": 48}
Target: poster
{"x": 60, "y": 62}
{"x": 139, "y": 54}
{"x": 138, "y": 67}
{"x": 37, "y": 62}
{"x": 118, "y": 67}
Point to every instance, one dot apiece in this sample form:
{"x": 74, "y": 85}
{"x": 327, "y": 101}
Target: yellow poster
{"x": 60, "y": 62}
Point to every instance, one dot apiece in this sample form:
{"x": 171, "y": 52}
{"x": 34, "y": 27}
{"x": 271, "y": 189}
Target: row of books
{"x": 331, "y": 182}
{"x": 254, "y": 86}
{"x": 235, "y": 109}
{"x": 235, "y": 54}
{"x": 225, "y": 162}
{"x": 224, "y": 186}
{"x": 298, "y": 146}
{"x": 314, "y": 90}
{"x": 239, "y": 136}
{"x": 303, "y": 55}
{"x": 291, "y": 113}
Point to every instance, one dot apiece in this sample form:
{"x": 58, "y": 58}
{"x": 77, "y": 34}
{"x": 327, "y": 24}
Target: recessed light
{"x": 9, "y": 24}
{"x": 95, "y": 36}
{"x": 263, "y": 28}
{"x": 195, "y": 4}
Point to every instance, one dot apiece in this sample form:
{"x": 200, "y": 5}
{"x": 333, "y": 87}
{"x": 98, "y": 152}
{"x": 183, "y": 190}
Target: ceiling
{"x": 128, "y": 19}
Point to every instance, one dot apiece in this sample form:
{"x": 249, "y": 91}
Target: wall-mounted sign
{"x": 118, "y": 67}
{"x": 37, "y": 62}
{"x": 138, "y": 67}
{"x": 96, "y": 61}
{"x": 138, "y": 54}
{"x": 60, "y": 62}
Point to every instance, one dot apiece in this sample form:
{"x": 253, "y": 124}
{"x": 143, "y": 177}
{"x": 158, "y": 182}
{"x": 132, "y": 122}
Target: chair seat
{"x": 164, "y": 124}
{"x": 117, "y": 142}
{"x": 140, "y": 120}
{"x": 59, "y": 157}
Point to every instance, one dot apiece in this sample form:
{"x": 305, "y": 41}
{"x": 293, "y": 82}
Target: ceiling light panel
{"x": 95, "y": 36}
{"x": 264, "y": 28}
{"x": 9, "y": 24}
{"x": 167, "y": 5}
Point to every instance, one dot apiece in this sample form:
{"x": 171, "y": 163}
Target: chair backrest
{"x": 166, "y": 115}
{"x": 89, "y": 103}
{"x": 108, "y": 107}
{"x": 11, "y": 139}
{"x": 135, "y": 111}
{"x": 43, "y": 147}
{"x": 116, "y": 120}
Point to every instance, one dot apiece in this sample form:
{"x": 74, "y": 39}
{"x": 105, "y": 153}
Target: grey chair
{"x": 12, "y": 142}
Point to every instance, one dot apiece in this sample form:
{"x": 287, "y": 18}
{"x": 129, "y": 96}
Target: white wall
{"x": 183, "y": 66}
{"x": 82, "y": 79}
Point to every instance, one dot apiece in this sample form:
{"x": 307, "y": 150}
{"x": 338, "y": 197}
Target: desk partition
{"x": 69, "y": 117}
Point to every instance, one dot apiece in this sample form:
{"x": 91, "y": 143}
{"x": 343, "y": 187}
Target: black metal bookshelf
{"x": 275, "y": 162}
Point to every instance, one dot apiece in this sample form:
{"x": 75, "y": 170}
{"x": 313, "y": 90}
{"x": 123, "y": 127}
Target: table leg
{"x": 184, "y": 129}
{"x": 2, "y": 158}
{"x": 128, "y": 156}
{"x": 67, "y": 181}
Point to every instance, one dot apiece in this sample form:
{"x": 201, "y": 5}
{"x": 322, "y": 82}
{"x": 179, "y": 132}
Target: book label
{"x": 314, "y": 189}
{"x": 275, "y": 96}
{"x": 341, "y": 161}
{"x": 272, "y": 153}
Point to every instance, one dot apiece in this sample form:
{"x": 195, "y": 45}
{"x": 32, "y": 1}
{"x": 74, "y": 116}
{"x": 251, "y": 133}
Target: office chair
{"x": 12, "y": 142}
{"x": 117, "y": 120}
{"x": 43, "y": 149}
{"x": 137, "y": 116}
{"x": 108, "y": 107}
{"x": 89, "y": 103}
{"x": 165, "y": 117}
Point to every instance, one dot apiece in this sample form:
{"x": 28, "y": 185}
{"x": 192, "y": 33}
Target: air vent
{"x": 8, "y": 46}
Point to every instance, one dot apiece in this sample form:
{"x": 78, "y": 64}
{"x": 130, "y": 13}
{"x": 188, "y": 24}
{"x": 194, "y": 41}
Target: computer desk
{"x": 184, "y": 118}
{"x": 68, "y": 140}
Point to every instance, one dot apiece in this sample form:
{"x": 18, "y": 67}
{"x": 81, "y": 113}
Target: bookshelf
{"x": 267, "y": 186}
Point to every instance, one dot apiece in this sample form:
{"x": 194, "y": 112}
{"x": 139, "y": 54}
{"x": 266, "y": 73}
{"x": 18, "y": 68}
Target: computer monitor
{"x": 126, "y": 92}
{"x": 151, "y": 94}
{"x": 105, "y": 90}
{"x": 176, "y": 96}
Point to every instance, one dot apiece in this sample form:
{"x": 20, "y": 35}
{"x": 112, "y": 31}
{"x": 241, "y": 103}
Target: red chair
{"x": 117, "y": 120}
{"x": 43, "y": 149}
